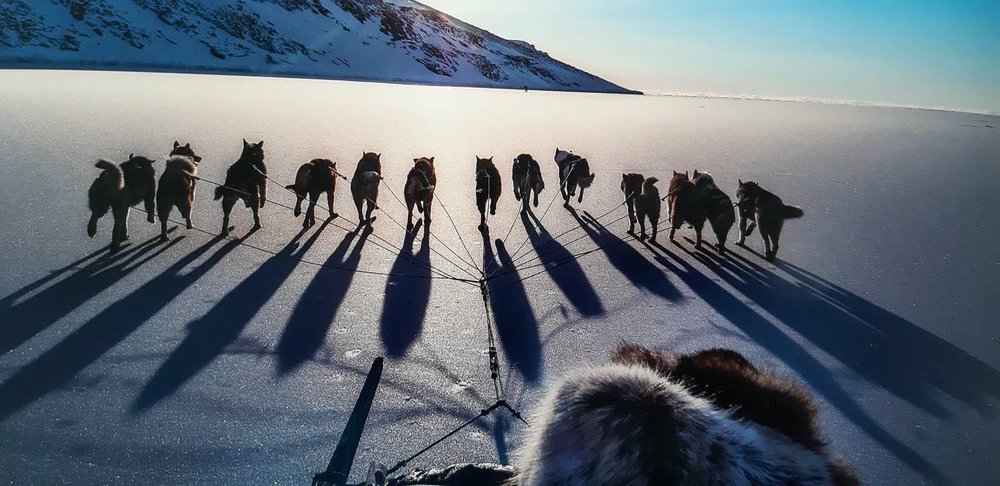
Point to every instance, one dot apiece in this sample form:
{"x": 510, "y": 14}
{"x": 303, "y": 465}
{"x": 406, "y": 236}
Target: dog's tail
{"x": 105, "y": 165}
{"x": 792, "y": 212}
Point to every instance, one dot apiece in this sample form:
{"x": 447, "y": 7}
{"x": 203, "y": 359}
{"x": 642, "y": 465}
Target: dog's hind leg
{"x": 185, "y": 208}
{"x": 150, "y": 204}
{"x": 580, "y": 199}
{"x": 630, "y": 206}
{"x": 256, "y": 214}
{"x": 228, "y": 201}
{"x": 697, "y": 233}
{"x": 329, "y": 203}
{"x": 656, "y": 227}
{"x": 409, "y": 214}
{"x": 310, "y": 218}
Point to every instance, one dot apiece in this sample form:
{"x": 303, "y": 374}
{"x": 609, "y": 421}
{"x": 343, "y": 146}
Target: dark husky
{"x": 682, "y": 203}
{"x": 419, "y": 191}
{"x": 177, "y": 185}
{"x": 312, "y": 179}
{"x": 759, "y": 206}
{"x": 246, "y": 179}
{"x": 527, "y": 175}
{"x": 488, "y": 188}
{"x": 707, "y": 418}
{"x": 718, "y": 207}
{"x": 118, "y": 189}
{"x": 574, "y": 171}
{"x": 642, "y": 199}
{"x": 364, "y": 186}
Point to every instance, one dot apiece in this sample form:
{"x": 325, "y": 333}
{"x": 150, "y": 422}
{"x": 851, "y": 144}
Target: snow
{"x": 211, "y": 362}
{"x": 273, "y": 38}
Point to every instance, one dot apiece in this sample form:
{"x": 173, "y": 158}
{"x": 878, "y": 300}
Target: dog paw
{"x": 150, "y": 218}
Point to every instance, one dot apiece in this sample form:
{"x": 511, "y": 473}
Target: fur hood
{"x": 627, "y": 424}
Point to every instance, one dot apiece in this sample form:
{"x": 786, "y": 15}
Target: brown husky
{"x": 246, "y": 179}
{"x": 488, "y": 188}
{"x": 312, "y": 179}
{"x": 573, "y": 171}
{"x": 759, "y": 206}
{"x": 527, "y": 176}
{"x": 364, "y": 186}
{"x": 177, "y": 185}
{"x": 683, "y": 205}
{"x": 419, "y": 191}
{"x": 717, "y": 206}
{"x": 118, "y": 189}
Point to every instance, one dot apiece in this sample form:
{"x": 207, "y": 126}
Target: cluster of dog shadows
{"x": 690, "y": 199}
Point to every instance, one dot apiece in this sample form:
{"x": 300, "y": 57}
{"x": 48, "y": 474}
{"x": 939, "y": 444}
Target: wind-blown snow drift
{"x": 379, "y": 40}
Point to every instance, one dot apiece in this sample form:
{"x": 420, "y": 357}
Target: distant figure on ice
{"x": 488, "y": 188}
{"x": 364, "y": 186}
{"x": 177, "y": 186}
{"x": 246, "y": 180}
{"x": 718, "y": 207}
{"x": 118, "y": 189}
{"x": 527, "y": 176}
{"x": 419, "y": 191}
{"x": 574, "y": 171}
{"x": 766, "y": 210}
{"x": 312, "y": 179}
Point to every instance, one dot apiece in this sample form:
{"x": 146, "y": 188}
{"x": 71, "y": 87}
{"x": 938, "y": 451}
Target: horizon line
{"x": 818, "y": 100}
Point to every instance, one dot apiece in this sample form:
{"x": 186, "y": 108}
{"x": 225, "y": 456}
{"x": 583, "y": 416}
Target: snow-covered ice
{"x": 209, "y": 362}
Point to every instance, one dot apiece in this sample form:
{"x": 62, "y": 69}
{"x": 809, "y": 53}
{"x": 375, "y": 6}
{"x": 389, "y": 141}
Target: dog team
{"x": 692, "y": 199}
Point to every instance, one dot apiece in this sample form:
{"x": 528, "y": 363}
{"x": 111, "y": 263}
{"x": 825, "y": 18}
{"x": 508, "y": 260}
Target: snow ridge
{"x": 379, "y": 40}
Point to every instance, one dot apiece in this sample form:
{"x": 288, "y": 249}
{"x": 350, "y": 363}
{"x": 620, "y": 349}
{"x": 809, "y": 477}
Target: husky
{"x": 717, "y": 206}
{"x": 573, "y": 171}
{"x": 364, "y": 186}
{"x": 177, "y": 185}
{"x": 118, "y": 188}
{"x": 527, "y": 176}
{"x": 246, "y": 179}
{"x": 419, "y": 191}
{"x": 650, "y": 418}
{"x": 312, "y": 179}
{"x": 683, "y": 206}
{"x": 642, "y": 199}
{"x": 766, "y": 210}
{"x": 488, "y": 187}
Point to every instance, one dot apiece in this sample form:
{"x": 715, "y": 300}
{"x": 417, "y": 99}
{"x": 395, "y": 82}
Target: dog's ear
{"x": 432, "y": 160}
{"x": 490, "y": 159}
{"x": 176, "y": 144}
{"x": 131, "y": 156}
{"x": 416, "y": 160}
{"x": 378, "y": 156}
{"x": 187, "y": 145}
{"x": 740, "y": 181}
{"x": 260, "y": 144}
{"x": 245, "y": 144}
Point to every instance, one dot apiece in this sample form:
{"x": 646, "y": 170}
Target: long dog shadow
{"x": 306, "y": 330}
{"x": 563, "y": 268}
{"x": 407, "y": 294}
{"x": 30, "y": 316}
{"x": 765, "y": 334}
{"x": 57, "y": 366}
{"x": 635, "y": 267}
{"x": 516, "y": 324}
{"x": 877, "y": 344}
{"x": 220, "y": 326}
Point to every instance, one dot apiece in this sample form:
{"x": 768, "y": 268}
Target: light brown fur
{"x": 177, "y": 185}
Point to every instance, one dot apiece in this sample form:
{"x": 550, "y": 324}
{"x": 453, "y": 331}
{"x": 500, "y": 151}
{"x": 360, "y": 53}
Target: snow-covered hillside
{"x": 384, "y": 40}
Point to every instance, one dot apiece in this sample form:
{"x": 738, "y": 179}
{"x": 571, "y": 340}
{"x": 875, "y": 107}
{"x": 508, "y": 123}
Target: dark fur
{"x": 730, "y": 382}
{"x": 246, "y": 180}
{"x": 364, "y": 186}
{"x": 488, "y": 188}
{"x": 419, "y": 191}
{"x": 177, "y": 185}
{"x": 718, "y": 207}
{"x": 702, "y": 419}
{"x": 574, "y": 171}
{"x": 766, "y": 210}
{"x": 527, "y": 177}
{"x": 312, "y": 179}
{"x": 118, "y": 188}
{"x": 684, "y": 207}
{"x": 642, "y": 199}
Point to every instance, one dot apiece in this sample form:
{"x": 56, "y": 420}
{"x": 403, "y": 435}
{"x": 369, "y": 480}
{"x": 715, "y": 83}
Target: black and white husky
{"x": 574, "y": 171}
{"x": 650, "y": 418}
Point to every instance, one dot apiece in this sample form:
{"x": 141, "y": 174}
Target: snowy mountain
{"x": 381, "y": 40}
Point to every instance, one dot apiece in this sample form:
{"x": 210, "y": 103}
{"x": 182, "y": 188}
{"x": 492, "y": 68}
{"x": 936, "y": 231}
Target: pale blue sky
{"x": 917, "y": 52}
